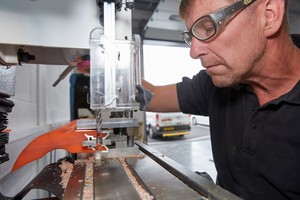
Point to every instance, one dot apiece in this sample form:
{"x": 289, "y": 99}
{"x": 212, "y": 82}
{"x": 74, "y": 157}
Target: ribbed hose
{"x": 5, "y": 107}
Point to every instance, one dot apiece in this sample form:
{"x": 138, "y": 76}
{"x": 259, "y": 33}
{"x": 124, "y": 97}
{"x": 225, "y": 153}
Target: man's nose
{"x": 198, "y": 48}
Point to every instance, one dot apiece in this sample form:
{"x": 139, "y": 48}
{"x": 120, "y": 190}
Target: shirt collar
{"x": 293, "y": 96}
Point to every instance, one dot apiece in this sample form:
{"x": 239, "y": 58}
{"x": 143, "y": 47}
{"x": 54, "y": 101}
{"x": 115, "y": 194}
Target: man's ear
{"x": 274, "y": 13}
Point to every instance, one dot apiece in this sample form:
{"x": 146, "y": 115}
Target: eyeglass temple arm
{"x": 231, "y": 11}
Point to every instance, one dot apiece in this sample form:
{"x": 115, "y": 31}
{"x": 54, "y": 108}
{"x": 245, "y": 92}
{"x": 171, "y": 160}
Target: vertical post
{"x": 110, "y": 58}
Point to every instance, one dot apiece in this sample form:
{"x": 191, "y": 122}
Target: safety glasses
{"x": 209, "y": 25}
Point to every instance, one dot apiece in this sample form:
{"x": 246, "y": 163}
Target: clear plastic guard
{"x": 115, "y": 72}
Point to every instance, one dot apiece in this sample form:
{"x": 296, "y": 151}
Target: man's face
{"x": 230, "y": 57}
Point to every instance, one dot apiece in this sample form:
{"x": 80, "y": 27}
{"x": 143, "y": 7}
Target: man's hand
{"x": 143, "y": 96}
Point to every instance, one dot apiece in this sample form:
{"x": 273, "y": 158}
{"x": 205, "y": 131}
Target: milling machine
{"x": 113, "y": 62}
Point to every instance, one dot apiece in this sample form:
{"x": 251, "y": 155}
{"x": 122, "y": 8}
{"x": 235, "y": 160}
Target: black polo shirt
{"x": 256, "y": 148}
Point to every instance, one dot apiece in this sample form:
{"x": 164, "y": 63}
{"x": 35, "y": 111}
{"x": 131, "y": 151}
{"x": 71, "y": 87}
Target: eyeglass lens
{"x": 204, "y": 28}
{"x": 187, "y": 38}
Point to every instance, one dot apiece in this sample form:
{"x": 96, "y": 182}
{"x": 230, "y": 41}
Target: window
{"x": 168, "y": 62}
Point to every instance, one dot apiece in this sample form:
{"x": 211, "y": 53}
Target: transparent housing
{"x": 114, "y": 73}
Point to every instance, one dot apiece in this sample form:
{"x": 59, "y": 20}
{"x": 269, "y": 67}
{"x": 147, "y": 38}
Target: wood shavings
{"x": 88, "y": 190}
{"x": 141, "y": 191}
{"x": 88, "y": 187}
{"x": 66, "y": 168}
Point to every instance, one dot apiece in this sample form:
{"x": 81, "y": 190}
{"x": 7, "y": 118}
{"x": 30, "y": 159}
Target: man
{"x": 250, "y": 90}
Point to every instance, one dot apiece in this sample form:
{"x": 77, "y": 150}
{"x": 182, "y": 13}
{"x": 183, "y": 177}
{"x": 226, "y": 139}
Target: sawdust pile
{"x": 88, "y": 190}
{"x": 141, "y": 191}
{"x": 66, "y": 168}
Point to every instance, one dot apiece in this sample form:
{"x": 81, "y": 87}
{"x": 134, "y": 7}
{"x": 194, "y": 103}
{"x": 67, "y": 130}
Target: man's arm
{"x": 164, "y": 98}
